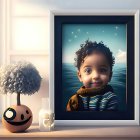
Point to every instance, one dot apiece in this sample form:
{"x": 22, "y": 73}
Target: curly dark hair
{"x": 88, "y": 48}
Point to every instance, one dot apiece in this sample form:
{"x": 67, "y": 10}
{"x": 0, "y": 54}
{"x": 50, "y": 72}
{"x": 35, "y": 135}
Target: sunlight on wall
{"x": 29, "y": 33}
{"x": 29, "y": 7}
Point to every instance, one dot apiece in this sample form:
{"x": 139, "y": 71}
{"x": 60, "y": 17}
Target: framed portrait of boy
{"x": 94, "y": 67}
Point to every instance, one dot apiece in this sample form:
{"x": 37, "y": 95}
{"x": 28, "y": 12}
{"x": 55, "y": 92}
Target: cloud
{"x": 120, "y": 56}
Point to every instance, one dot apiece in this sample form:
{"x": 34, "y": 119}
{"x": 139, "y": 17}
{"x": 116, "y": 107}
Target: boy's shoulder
{"x": 72, "y": 103}
{"x": 74, "y": 98}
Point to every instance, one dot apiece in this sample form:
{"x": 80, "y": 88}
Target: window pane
{"x": 29, "y": 34}
{"x": 30, "y": 7}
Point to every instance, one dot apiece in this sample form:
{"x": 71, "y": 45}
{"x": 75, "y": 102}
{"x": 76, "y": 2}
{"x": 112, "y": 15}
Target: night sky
{"x": 112, "y": 35}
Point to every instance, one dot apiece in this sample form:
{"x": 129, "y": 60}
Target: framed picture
{"x": 94, "y": 67}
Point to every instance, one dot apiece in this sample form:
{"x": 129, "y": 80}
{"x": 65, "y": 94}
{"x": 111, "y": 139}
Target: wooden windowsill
{"x": 76, "y": 132}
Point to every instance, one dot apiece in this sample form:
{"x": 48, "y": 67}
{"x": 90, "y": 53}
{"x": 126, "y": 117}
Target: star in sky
{"x": 116, "y": 27}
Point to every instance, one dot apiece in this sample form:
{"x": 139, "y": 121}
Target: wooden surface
{"x": 63, "y": 132}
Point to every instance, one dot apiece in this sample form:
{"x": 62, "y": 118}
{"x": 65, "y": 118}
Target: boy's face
{"x": 95, "y": 71}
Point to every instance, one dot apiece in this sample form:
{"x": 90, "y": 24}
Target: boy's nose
{"x": 95, "y": 75}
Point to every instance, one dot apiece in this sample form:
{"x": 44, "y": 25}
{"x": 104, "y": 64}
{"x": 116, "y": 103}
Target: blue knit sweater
{"x": 93, "y": 100}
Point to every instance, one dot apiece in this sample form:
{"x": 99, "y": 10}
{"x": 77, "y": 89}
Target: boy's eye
{"x": 88, "y": 70}
{"x": 103, "y": 70}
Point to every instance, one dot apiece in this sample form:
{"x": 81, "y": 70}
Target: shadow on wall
{"x": 82, "y": 4}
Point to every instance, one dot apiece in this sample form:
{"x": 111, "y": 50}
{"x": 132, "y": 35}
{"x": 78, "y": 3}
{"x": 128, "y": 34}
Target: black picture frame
{"x": 75, "y": 18}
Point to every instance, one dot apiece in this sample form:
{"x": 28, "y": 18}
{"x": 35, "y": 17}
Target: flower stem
{"x": 18, "y": 98}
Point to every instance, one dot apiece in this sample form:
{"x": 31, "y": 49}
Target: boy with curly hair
{"x": 94, "y": 62}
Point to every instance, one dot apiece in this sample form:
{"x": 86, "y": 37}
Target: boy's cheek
{"x": 86, "y": 80}
{"x": 107, "y": 80}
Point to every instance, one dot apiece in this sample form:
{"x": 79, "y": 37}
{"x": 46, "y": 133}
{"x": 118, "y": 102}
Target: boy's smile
{"x": 96, "y": 84}
{"x": 95, "y": 71}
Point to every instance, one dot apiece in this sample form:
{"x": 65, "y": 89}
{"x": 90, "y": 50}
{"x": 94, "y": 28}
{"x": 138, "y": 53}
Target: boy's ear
{"x": 79, "y": 76}
{"x": 111, "y": 73}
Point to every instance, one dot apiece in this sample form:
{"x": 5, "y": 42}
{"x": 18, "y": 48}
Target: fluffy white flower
{"x": 22, "y": 78}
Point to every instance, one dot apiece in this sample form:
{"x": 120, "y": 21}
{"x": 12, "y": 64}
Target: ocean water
{"x": 70, "y": 83}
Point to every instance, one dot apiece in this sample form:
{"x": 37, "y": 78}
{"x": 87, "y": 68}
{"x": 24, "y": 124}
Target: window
{"x": 26, "y": 38}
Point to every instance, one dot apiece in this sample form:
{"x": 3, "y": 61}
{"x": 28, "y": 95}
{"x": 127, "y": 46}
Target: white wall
{"x": 39, "y": 8}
